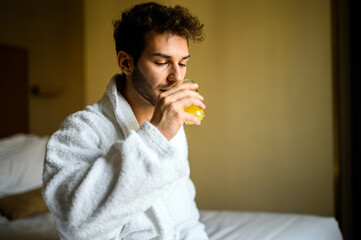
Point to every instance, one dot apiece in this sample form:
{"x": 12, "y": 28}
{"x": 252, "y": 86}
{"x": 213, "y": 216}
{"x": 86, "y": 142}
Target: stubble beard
{"x": 143, "y": 87}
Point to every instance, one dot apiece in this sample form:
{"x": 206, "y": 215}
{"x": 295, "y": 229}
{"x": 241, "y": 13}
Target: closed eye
{"x": 161, "y": 63}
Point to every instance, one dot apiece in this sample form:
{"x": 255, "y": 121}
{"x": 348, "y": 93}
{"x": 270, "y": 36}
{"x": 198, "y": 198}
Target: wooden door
{"x": 13, "y": 91}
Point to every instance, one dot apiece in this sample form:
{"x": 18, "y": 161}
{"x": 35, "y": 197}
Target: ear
{"x": 125, "y": 62}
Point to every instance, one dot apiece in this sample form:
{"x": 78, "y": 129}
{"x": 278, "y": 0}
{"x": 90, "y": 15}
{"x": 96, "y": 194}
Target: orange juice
{"x": 196, "y": 111}
{"x": 199, "y": 113}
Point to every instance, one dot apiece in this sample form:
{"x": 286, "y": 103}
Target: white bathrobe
{"x": 106, "y": 177}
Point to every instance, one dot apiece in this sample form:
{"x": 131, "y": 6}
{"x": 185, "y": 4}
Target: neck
{"x": 142, "y": 109}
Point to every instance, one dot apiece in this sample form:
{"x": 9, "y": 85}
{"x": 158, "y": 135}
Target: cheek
{"x": 151, "y": 75}
{"x": 155, "y": 74}
{"x": 148, "y": 70}
{"x": 184, "y": 71}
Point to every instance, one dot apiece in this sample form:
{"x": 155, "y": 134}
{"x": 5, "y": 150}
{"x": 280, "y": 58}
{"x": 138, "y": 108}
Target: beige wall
{"x": 265, "y": 72}
{"x": 266, "y": 144}
{"x": 52, "y": 32}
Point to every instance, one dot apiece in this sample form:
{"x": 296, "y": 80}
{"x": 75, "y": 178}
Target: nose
{"x": 176, "y": 74}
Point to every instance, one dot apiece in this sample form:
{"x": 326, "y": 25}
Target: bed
{"x": 220, "y": 225}
{"x": 25, "y": 216}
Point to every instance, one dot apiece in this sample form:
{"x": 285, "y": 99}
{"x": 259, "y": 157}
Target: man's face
{"x": 161, "y": 65}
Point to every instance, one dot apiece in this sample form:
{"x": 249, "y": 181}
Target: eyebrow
{"x": 167, "y": 56}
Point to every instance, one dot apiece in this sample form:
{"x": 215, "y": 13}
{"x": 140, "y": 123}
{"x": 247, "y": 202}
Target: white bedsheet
{"x": 226, "y": 225}
{"x": 220, "y": 225}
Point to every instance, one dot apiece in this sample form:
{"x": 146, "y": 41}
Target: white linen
{"x": 106, "y": 177}
{"x": 21, "y": 163}
{"x": 220, "y": 225}
{"x": 232, "y": 225}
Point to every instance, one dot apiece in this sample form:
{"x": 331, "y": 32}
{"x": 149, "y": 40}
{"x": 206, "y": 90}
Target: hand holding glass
{"x": 195, "y": 110}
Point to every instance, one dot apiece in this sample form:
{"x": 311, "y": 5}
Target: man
{"x": 119, "y": 168}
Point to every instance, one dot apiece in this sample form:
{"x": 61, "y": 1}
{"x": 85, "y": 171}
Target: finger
{"x": 179, "y": 87}
{"x": 194, "y": 102}
{"x": 187, "y": 94}
{"x": 191, "y": 86}
{"x": 190, "y": 117}
{"x": 186, "y": 102}
{"x": 182, "y": 95}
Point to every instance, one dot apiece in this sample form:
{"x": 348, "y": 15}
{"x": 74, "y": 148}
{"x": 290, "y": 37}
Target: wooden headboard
{"x": 14, "y": 94}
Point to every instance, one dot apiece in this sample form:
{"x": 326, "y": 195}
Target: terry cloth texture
{"x": 106, "y": 177}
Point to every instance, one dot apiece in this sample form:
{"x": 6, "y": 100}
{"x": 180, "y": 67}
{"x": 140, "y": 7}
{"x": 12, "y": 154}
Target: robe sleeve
{"x": 193, "y": 229}
{"x": 92, "y": 191}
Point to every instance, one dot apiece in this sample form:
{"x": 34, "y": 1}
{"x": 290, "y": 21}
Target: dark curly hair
{"x": 131, "y": 30}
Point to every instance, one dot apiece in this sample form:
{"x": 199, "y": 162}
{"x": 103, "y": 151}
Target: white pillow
{"x": 21, "y": 163}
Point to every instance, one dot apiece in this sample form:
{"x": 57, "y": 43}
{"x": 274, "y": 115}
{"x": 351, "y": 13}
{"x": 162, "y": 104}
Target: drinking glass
{"x": 196, "y": 111}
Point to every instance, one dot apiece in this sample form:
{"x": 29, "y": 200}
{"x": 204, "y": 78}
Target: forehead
{"x": 167, "y": 44}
